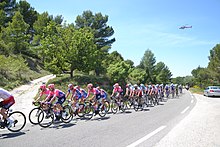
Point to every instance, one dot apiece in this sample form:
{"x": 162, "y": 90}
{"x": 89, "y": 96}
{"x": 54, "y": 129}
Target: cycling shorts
{"x": 61, "y": 100}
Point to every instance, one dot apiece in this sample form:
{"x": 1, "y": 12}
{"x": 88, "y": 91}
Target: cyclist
{"x": 83, "y": 93}
{"x": 70, "y": 91}
{"x": 180, "y": 88}
{"x": 96, "y": 95}
{"x": 167, "y": 90}
{"x": 8, "y": 101}
{"x": 172, "y": 87}
{"x": 56, "y": 93}
{"x": 44, "y": 93}
{"x": 117, "y": 91}
{"x": 177, "y": 90}
{"x": 128, "y": 90}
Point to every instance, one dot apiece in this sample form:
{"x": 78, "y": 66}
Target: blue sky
{"x": 152, "y": 24}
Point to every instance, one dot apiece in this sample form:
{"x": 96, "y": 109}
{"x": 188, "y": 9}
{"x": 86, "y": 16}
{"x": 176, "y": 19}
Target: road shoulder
{"x": 199, "y": 128}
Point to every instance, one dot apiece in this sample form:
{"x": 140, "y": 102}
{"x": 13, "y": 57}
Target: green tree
{"x": 51, "y": 48}
{"x": 7, "y": 9}
{"x": 112, "y": 58}
{"x": 137, "y": 76}
{"x": 15, "y": 35}
{"x": 102, "y": 33}
{"x": 119, "y": 72}
{"x": 214, "y": 62}
{"x": 29, "y": 16}
{"x": 162, "y": 73}
{"x": 80, "y": 51}
{"x": 148, "y": 64}
{"x": 39, "y": 26}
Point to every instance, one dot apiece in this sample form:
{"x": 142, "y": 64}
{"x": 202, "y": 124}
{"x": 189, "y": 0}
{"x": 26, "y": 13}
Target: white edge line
{"x": 146, "y": 137}
{"x": 185, "y": 110}
{"x": 192, "y": 101}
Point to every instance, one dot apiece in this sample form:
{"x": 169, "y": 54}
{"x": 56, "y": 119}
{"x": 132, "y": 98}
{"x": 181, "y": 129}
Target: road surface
{"x": 188, "y": 121}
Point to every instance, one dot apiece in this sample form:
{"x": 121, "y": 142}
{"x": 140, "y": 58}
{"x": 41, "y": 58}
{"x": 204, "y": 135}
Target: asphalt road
{"x": 142, "y": 128}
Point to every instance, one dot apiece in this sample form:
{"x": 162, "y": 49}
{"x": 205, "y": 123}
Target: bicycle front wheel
{"x": 66, "y": 116}
{"x": 19, "y": 120}
{"x": 33, "y": 115}
{"x": 103, "y": 110}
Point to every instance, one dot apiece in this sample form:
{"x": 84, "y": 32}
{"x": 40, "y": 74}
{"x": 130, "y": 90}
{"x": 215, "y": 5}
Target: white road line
{"x": 192, "y": 96}
{"x": 146, "y": 137}
{"x": 185, "y": 110}
{"x": 192, "y": 101}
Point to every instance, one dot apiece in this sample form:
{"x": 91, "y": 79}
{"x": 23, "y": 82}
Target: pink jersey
{"x": 45, "y": 92}
{"x": 117, "y": 89}
{"x": 4, "y": 94}
{"x": 94, "y": 91}
{"x": 58, "y": 93}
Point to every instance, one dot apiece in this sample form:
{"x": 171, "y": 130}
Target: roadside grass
{"x": 196, "y": 90}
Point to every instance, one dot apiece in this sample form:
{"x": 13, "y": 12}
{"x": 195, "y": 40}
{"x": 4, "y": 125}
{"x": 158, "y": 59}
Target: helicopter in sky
{"x": 185, "y": 27}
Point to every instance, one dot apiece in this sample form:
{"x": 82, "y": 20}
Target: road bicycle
{"x": 91, "y": 109}
{"x": 18, "y": 118}
{"x": 47, "y": 117}
{"x": 117, "y": 104}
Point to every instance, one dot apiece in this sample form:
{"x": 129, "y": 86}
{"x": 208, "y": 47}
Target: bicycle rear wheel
{"x": 19, "y": 120}
{"x": 33, "y": 115}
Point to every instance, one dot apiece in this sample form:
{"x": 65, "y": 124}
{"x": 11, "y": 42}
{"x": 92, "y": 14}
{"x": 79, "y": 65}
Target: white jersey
{"x": 4, "y": 94}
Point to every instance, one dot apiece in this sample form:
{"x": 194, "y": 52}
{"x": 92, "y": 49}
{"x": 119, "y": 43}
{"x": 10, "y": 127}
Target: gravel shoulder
{"x": 199, "y": 129}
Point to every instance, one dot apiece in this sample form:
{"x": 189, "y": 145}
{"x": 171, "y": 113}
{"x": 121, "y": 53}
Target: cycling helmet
{"x": 90, "y": 85}
{"x": 98, "y": 87}
{"x": 43, "y": 86}
{"x": 135, "y": 85}
{"x": 128, "y": 85}
{"x": 142, "y": 85}
{"x": 77, "y": 87}
{"x": 52, "y": 86}
{"x": 116, "y": 85}
{"x": 70, "y": 85}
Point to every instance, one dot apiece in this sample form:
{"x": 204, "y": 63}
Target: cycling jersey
{"x": 58, "y": 93}
{"x": 4, "y": 94}
{"x": 83, "y": 93}
{"x": 77, "y": 94}
{"x": 118, "y": 89}
{"x": 103, "y": 94}
{"x": 8, "y": 99}
{"x": 95, "y": 92}
{"x": 45, "y": 92}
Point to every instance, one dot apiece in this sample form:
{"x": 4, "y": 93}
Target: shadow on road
{"x": 100, "y": 118}
{"x": 11, "y": 135}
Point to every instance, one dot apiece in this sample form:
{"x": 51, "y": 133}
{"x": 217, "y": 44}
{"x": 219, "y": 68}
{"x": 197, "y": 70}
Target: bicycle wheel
{"x": 66, "y": 116}
{"x": 19, "y": 121}
{"x": 107, "y": 105}
{"x": 114, "y": 107}
{"x": 89, "y": 112}
{"x": 33, "y": 115}
{"x": 136, "y": 105}
{"x": 45, "y": 119}
{"x": 103, "y": 110}
{"x": 80, "y": 110}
